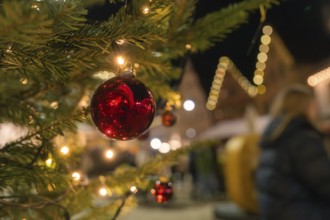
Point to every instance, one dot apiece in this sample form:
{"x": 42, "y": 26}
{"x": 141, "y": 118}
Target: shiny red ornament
{"x": 122, "y": 108}
{"x": 162, "y": 191}
{"x": 168, "y": 118}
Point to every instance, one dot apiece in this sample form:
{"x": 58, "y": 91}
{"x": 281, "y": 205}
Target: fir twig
{"x": 122, "y": 204}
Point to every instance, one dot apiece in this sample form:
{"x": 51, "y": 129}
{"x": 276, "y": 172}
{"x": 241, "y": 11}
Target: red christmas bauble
{"x": 122, "y": 108}
{"x": 162, "y": 191}
{"x": 168, "y": 118}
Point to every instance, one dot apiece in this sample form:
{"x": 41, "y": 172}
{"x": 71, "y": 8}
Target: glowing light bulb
{"x": 164, "y": 148}
{"x": 49, "y": 162}
{"x": 103, "y": 191}
{"x": 188, "y": 46}
{"x": 120, "y": 60}
{"x": 267, "y": 30}
{"x": 65, "y": 150}
{"x": 76, "y": 176}
{"x": 109, "y": 154}
{"x": 265, "y": 39}
{"x": 155, "y": 143}
{"x": 133, "y": 189}
{"x": 145, "y": 10}
{"x": 189, "y": 105}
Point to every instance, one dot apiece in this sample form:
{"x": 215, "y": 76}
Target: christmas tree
{"x": 52, "y": 58}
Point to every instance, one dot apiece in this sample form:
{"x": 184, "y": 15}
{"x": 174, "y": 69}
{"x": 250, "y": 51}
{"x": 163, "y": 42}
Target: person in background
{"x": 293, "y": 174}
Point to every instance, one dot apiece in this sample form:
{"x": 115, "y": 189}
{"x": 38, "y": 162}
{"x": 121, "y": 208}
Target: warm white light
{"x": 319, "y": 77}
{"x": 133, "y": 189}
{"x": 145, "y": 10}
{"x": 262, "y": 89}
{"x": 164, "y": 148}
{"x": 210, "y": 106}
{"x": 261, "y": 65}
{"x": 191, "y": 132}
{"x": 120, "y": 60}
{"x": 175, "y": 144}
{"x": 109, "y": 154}
{"x": 54, "y": 105}
{"x": 252, "y": 91}
{"x": 49, "y": 162}
{"x": 264, "y": 48}
{"x": 258, "y": 79}
{"x": 155, "y": 143}
{"x": 103, "y": 191}
{"x": 65, "y": 150}
{"x": 262, "y": 57}
{"x": 267, "y": 30}
{"x": 188, "y": 46}
{"x": 265, "y": 39}
{"x": 120, "y": 41}
{"x": 76, "y": 176}
{"x": 189, "y": 105}
{"x": 24, "y": 81}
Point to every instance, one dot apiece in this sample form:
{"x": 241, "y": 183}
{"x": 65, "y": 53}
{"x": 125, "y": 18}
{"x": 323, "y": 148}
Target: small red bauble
{"x": 122, "y": 108}
{"x": 162, "y": 191}
{"x": 168, "y": 118}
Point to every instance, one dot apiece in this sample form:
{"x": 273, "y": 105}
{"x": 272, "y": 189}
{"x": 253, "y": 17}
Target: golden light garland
{"x": 226, "y": 64}
{"x": 319, "y": 77}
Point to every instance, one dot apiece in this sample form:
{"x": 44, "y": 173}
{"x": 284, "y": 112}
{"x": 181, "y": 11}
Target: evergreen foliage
{"x": 49, "y": 55}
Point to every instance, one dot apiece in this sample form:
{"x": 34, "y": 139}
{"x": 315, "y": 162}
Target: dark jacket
{"x": 293, "y": 175}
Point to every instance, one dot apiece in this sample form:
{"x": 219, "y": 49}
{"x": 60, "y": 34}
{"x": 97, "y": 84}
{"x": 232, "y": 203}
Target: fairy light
{"x": 76, "y": 176}
{"x": 319, "y": 77}
{"x": 155, "y": 143}
{"x": 109, "y": 154}
{"x": 64, "y": 150}
{"x": 35, "y": 6}
{"x": 8, "y": 50}
{"x": 120, "y": 41}
{"x": 49, "y": 162}
{"x": 54, "y": 105}
{"x": 225, "y": 64}
{"x": 24, "y": 81}
{"x": 120, "y": 60}
{"x": 164, "y": 148}
{"x": 145, "y": 10}
{"x": 103, "y": 191}
{"x": 133, "y": 189}
{"x": 188, "y": 46}
{"x": 189, "y": 105}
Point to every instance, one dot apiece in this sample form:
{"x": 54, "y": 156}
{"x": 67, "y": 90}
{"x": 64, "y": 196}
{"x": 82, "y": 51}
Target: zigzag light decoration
{"x": 227, "y": 65}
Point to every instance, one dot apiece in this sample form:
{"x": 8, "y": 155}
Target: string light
{"x": 120, "y": 60}
{"x": 54, "y": 105}
{"x": 189, "y": 105}
{"x": 103, "y": 191}
{"x": 188, "y": 46}
{"x": 319, "y": 77}
{"x": 64, "y": 150}
{"x": 164, "y": 148}
{"x": 24, "y": 81}
{"x": 109, "y": 154}
{"x": 155, "y": 143}
{"x": 145, "y": 10}
{"x": 9, "y": 49}
{"x": 120, "y": 41}
{"x": 133, "y": 189}
{"x": 76, "y": 176}
{"x": 49, "y": 162}
{"x": 35, "y": 6}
